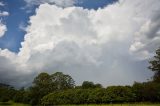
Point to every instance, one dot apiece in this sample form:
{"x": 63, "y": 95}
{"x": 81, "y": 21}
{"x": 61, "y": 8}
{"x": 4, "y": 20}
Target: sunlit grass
{"x": 118, "y": 105}
{"x": 19, "y": 104}
{"x": 12, "y": 104}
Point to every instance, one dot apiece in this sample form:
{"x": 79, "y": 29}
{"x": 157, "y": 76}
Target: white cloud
{"x": 99, "y": 45}
{"x": 22, "y": 26}
{"x": 61, "y": 3}
{"x": 4, "y": 13}
{"x": 2, "y": 4}
{"x": 3, "y": 29}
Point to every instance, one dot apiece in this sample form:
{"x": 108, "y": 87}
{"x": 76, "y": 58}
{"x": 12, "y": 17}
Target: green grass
{"x": 119, "y": 105}
{"x": 12, "y": 104}
{"x": 19, "y": 104}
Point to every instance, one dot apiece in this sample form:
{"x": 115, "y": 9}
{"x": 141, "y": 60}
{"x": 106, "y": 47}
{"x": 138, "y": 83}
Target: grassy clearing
{"x": 12, "y": 104}
{"x": 119, "y": 105}
{"x": 19, "y": 104}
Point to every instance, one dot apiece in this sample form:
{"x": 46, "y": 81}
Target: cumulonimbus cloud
{"x": 104, "y": 45}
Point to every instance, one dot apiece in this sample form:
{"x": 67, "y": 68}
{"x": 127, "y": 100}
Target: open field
{"x": 118, "y": 105}
{"x": 18, "y": 104}
{"x": 13, "y": 104}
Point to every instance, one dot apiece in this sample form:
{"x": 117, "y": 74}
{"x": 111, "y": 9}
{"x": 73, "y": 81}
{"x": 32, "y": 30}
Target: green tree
{"x": 119, "y": 94}
{"x": 98, "y": 86}
{"x": 151, "y": 91}
{"x": 87, "y": 85}
{"x": 44, "y": 84}
{"x": 41, "y": 87}
{"x": 155, "y": 66}
{"x": 138, "y": 89}
{"x": 7, "y": 92}
{"x": 18, "y": 97}
{"x": 62, "y": 81}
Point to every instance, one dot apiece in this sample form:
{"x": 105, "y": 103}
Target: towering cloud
{"x": 109, "y": 45}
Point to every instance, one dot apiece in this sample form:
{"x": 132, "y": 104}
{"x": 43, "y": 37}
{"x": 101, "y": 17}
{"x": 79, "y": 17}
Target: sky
{"x": 103, "y": 41}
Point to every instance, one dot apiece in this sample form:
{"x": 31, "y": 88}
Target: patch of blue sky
{"x": 17, "y": 16}
{"x": 94, "y": 4}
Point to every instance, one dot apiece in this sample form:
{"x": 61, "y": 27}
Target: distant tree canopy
{"x": 6, "y": 92}
{"x": 155, "y": 65}
{"x": 89, "y": 84}
{"x": 139, "y": 92}
{"x": 44, "y": 84}
{"x": 116, "y": 94}
{"x": 61, "y": 81}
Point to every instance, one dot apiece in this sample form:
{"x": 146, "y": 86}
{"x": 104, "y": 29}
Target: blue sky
{"x": 14, "y": 34}
{"x": 19, "y": 16}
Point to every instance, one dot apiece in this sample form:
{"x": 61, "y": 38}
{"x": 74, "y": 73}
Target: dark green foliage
{"x": 44, "y": 84}
{"x": 119, "y": 94}
{"x": 19, "y": 95}
{"x": 148, "y": 91}
{"x": 155, "y": 66}
{"x": 41, "y": 87}
{"x": 152, "y": 91}
{"x": 6, "y": 92}
{"x": 116, "y": 94}
{"x": 138, "y": 89}
{"x": 88, "y": 85}
{"x": 61, "y": 81}
{"x": 139, "y": 92}
{"x": 72, "y": 96}
{"x": 96, "y": 96}
{"x": 22, "y": 96}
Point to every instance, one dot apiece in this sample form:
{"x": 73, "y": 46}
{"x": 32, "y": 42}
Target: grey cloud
{"x": 10, "y": 75}
{"x": 154, "y": 26}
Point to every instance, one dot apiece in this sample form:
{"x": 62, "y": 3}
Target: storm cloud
{"x": 110, "y": 45}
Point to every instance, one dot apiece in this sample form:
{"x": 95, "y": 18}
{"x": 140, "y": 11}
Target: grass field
{"x": 12, "y": 104}
{"x": 118, "y": 105}
{"x": 18, "y": 104}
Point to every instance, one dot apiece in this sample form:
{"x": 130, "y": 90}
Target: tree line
{"x": 59, "y": 88}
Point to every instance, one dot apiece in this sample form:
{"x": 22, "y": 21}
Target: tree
{"x": 138, "y": 89}
{"x": 98, "y": 86}
{"x": 155, "y": 66}
{"x": 87, "y": 84}
{"x": 6, "y": 92}
{"x": 41, "y": 87}
{"x": 62, "y": 81}
{"x": 151, "y": 91}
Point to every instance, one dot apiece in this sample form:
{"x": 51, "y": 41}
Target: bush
{"x": 116, "y": 94}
